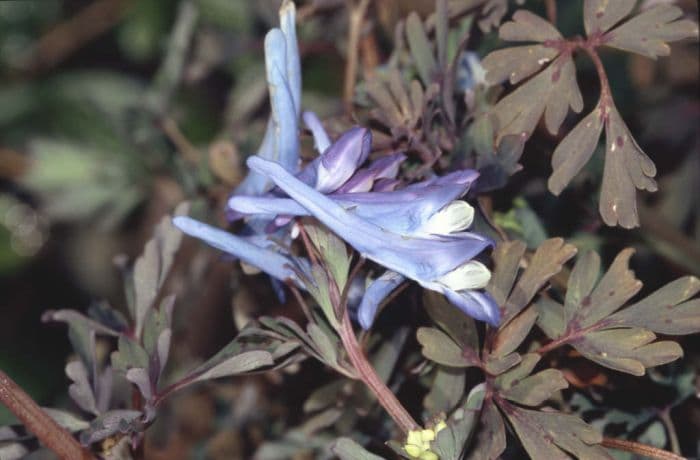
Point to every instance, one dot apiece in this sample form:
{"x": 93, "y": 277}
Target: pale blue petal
{"x": 376, "y": 292}
{"x": 284, "y": 115}
{"x": 267, "y": 260}
{"x": 421, "y": 259}
{"x": 477, "y": 304}
{"x": 321, "y": 139}
{"x": 293, "y": 69}
{"x": 340, "y": 161}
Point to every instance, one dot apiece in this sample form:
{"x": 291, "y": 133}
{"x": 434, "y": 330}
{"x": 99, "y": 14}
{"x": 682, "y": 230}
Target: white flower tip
{"x": 472, "y": 275}
{"x": 454, "y": 217}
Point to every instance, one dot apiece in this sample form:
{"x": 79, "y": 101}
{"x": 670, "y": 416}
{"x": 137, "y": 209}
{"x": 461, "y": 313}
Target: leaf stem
{"x": 551, "y": 7}
{"x": 50, "y": 433}
{"x": 640, "y": 449}
{"x": 370, "y": 378}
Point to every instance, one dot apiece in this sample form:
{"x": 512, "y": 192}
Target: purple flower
{"x": 436, "y": 252}
{"x": 283, "y": 69}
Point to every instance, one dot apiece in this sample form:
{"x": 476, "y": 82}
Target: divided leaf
{"x": 152, "y": 267}
{"x": 347, "y": 449}
{"x": 440, "y": 348}
{"x": 623, "y": 341}
{"x": 649, "y": 32}
{"x": 551, "y": 92}
{"x": 552, "y": 435}
{"x": 420, "y": 47}
{"x": 600, "y": 15}
{"x": 626, "y": 168}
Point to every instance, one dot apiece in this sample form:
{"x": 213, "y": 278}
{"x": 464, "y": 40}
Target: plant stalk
{"x": 50, "y": 433}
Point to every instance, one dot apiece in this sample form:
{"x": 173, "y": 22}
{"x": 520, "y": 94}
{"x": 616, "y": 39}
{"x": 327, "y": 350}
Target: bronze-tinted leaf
{"x": 446, "y": 390}
{"x": 601, "y": 15}
{"x": 551, "y": 93}
{"x": 536, "y": 389}
{"x": 527, "y": 26}
{"x": 497, "y": 365}
{"x": 649, "y": 32}
{"x": 439, "y": 347}
{"x": 490, "y": 439}
{"x": 506, "y": 258}
{"x": 347, "y": 449}
{"x": 550, "y": 434}
{"x": 617, "y": 349}
{"x": 517, "y": 373}
{"x": 551, "y": 317}
{"x": 626, "y": 168}
{"x": 421, "y": 49}
{"x": 574, "y": 151}
{"x": 547, "y": 262}
{"x": 516, "y": 63}
{"x": 153, "y": 266}
{"x": 667, "y": 310}
{"x": 617, "y": 286}
{"x": 583, "y": 279}
{"x": 442, "y": 23}
{"x": 513, "y": 334}
{"x": 459, "y": 327}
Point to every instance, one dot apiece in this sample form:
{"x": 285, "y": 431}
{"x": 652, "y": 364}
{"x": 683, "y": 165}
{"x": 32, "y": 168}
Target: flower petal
{"x": 477, "y": 304}
{"x": 269, "y": 261}
{"x": 340, "y": 161}
{"x": 376, "y": 292}
{"x": 321, "y": 139}
{"x": 422, "y": 259}
{"x": 472, "y": 275}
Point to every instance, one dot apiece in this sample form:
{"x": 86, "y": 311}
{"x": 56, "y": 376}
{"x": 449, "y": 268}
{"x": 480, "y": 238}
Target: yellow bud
{"x": 414, "y": 437}
{"x": 440, "y": 426}
{"x": 427, "y": 435}
{"x": 413, "y": 450}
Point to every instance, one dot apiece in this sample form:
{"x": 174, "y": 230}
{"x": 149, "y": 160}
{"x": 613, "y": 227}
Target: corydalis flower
{"x": 438, "y": 261}
{"x": 283, "y": 72}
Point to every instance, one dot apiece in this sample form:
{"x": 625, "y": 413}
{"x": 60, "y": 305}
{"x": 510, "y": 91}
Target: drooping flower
{"x": 283, "y": 71}
{"x": 441, "y": 262}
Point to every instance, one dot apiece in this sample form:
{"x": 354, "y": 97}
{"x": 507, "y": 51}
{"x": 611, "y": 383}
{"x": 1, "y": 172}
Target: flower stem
{"x": 369, "y": 376}
{"x": 640, "y": 449}
{"x": 50, "y": 433}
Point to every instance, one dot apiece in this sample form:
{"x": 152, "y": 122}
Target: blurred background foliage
{"x": 113, "y": 111}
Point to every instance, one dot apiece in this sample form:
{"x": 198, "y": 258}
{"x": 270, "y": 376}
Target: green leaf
{"x": 446, "y": 390}
{"x": 551, "y": 93}
{"x": 237, "y": 364}
{"x": 507, "y": 379}
{"x": 490, "y": 439}
{"x": 497, "y": 365}
{"x": 506, "y": 258}
{"x": 623, "y": 341}
{"x": 627, "y": 168}
{"x": 439, "y": 347}
{"x": 459, "y": 327}
{"x": 516, "y": 63}
{"x": 575, "y": 150}
{"x": 347, "y": 449}
{"x": 512, "y": 335}
{"x": 551, "y": 434}
{"x": 666, "y": 310}
{"x": 129, "y": 354}
{"x": 451, "y": 441}
{"x": 536, "y": 389}
{"x": 528, "y": 27}
{"x": 153, "y": 266}
{"x": 601, "y": 15}
{"x": 333, "y": 251}
{"x": 546, "y": 262}
{"x": 421, "y": 48}
{"x": 649, "y": 32}
{"x": 326, "y": 346}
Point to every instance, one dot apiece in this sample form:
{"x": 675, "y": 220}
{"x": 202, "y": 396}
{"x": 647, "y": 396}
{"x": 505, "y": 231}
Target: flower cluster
{"x": 418, "y": 442}
{"x": 416, "y": 231}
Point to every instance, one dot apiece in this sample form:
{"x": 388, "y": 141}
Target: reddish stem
{"x": 370, "y": 378}
{"x": 640, "y": 449}
{"x": 50, "y": 433}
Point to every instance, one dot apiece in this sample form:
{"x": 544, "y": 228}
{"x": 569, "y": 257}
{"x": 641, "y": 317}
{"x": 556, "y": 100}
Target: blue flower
{"x": 283, "y": 69}
{"x": 433, "y": 249}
